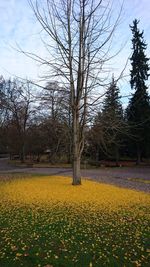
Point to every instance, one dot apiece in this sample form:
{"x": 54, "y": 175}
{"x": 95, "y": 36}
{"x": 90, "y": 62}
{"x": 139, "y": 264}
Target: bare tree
{"x": 17, "y": 101}
{"x": 79, "y": 35}
{"x": 3, "y": 109}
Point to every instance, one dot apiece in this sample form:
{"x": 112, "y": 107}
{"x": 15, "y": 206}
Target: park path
{"x": 4, "y": 165}
{"x": 116, "y": 176}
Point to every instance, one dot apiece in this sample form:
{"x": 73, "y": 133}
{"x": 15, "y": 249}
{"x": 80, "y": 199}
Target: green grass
{"x": 36, "y": 240}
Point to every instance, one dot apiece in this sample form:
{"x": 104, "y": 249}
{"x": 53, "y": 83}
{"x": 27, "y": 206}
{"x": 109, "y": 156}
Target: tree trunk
{"x": 138, "y": 161}
{"x": 117, "y": 156}
{"x": 76, "y": 171}
{"x": 76, "y": 151}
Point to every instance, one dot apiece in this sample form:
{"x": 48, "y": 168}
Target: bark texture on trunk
{"x": 76, "y": 172}
{"x": 76, "y": 150}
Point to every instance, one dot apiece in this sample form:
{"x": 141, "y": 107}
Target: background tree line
{"x": 36, "y": 124}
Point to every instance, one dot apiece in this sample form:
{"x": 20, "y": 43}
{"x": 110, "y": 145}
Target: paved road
{"x": 4, "y": 166}
{"x": 116, "y": 176}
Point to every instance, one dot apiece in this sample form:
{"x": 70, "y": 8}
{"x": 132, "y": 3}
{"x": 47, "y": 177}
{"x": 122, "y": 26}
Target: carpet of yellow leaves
{"x": 59, "y": 189}
{"x": 46, "y": 220}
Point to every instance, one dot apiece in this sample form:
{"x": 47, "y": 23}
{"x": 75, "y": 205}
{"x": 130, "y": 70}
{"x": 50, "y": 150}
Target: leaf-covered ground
{"x": 45, "y": 221}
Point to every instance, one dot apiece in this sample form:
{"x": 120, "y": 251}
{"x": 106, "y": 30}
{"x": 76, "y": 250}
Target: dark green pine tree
{"x": 113, "y": 119}
{"x": 112, "y": 106}
{"x": 138, "y": 111}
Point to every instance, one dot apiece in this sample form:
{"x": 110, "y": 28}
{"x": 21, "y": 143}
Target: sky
{"x": 18, "y": 27}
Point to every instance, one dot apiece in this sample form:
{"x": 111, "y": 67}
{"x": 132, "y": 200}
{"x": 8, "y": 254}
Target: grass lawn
{"x": 45, "y": 221}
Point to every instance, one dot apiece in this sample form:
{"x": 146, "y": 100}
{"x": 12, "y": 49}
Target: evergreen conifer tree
{"x": 112, "y": 106}
{"x": 138, "y": 111}
{"x": 113, "y": 119}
